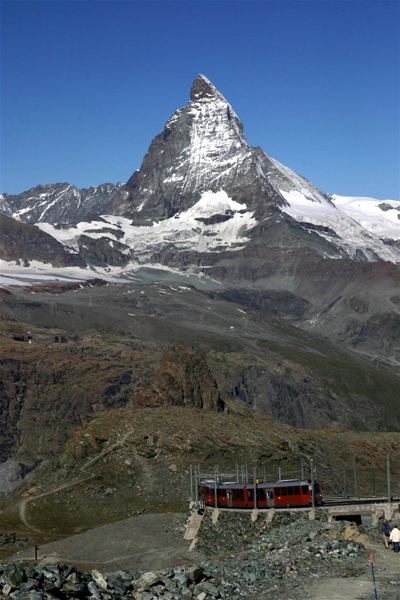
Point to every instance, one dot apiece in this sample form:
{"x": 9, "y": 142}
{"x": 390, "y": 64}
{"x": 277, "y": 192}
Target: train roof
{"x": 234, "y": 484}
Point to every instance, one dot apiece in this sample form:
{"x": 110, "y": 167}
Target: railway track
{"x": 337, "y": 501}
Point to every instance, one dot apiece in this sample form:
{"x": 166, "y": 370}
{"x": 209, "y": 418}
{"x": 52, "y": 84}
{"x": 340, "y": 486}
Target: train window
{"x": 277, "y": 491}
{"x": 304, "y": 489}
{"x": 212, "y": 491}
{"x": 238, "y": 495}
{"x": 284, "y": 491}
{"x": 317, "y": 488}
{"x": 261, "y": 494}
{"x": 290, "y": 491}
{"x": 250, "y": 496}
{"x": 221, "y": 493}
{"x": 297, "y": 490}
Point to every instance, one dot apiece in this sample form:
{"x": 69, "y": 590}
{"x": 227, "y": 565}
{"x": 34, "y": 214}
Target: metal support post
{"x": 191, "y": 483}
{"x": 215, "y": 487}
{"x": 255, "y": 486}
{"x": 344, "y": 485}
{"x": 302, "y": 469}
{"x": 237, "y": 473}
{"x": 196, "y": 475}
{"x": 388, "y": 477}
{"x": 355, "y": 476}
{"x": 373, "y": 482}
{"x": 265, "y": 476}
{"x": 312, "y": 484}
{"x": 279, "y": 474}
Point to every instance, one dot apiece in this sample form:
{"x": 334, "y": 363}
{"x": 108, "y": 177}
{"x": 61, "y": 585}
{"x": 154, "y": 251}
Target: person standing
{"x": 385, "y": 528}
{"x": 395, "y": 538}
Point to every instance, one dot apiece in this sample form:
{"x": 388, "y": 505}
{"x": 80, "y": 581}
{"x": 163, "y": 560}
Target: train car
{"x": 282, "y": 494}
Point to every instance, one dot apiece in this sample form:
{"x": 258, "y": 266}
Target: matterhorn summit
{"x": 202, "y": 149}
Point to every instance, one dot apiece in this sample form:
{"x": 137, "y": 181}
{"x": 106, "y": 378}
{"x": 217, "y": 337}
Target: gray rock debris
{"x": 267, "y": 559}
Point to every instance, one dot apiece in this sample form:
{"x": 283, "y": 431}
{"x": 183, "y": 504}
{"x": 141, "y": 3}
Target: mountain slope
{"x": 26, "y": 242}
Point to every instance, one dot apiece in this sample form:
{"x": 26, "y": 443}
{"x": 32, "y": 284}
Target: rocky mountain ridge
{"x": 58, "y": 203}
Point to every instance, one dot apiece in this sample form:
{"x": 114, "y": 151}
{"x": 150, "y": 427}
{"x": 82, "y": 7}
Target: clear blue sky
{"x": 86, "y": 85}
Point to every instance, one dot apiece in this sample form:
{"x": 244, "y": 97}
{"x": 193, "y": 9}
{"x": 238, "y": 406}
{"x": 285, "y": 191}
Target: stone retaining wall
{"x": 232, "y": 531}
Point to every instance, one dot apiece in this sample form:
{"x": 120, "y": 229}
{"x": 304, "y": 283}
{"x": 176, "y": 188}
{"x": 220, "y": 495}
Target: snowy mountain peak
{"x": 202, "y": 148}
{"x": 203, "y": 88}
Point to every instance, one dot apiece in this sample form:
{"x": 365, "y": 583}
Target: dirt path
{"x": 148, "y": 541}
{"x": 23, "y": 504}
{"x": 387, "y": 576}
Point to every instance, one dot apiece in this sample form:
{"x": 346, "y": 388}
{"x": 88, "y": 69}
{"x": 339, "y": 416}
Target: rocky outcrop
{"x": 24, "y": 242}
{"x": 278, "y": 302}
{"x": 184, "y": 379}
{"x": 61, "y": 288}
{"x": 103, "y": 251}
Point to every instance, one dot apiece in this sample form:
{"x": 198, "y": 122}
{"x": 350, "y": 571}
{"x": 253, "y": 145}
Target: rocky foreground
{"x": 283, "y": 559}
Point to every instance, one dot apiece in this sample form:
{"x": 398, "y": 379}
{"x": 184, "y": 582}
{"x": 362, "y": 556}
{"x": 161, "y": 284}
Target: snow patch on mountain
{"x": 214, "y": 223}
{"x": 12, "y": 273}
{"x": 4, "y": 206}
{"x": 356, "y": 232}
{"x": 380, "y": 217}
{"x": 287, "y": 180}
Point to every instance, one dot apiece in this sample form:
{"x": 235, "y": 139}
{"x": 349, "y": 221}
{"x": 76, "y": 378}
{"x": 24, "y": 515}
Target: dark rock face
{"x": 379, "y": 333}
{"x": 103, "y": 251}
{"x": 25, "y": 242}
{"x": 48, "y": 378}
{"x": 184, "y": 379}
{"x": 279, "y": 302}
{"x": 291, "y": 399}
{"x": 58, "y": 203}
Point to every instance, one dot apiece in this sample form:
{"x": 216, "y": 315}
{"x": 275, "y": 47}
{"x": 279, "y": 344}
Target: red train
{"x": 283, "y": 494}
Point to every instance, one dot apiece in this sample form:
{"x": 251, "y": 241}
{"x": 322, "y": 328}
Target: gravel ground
{"x": 146, "y": 558}
{"x": 147, "y": 541}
